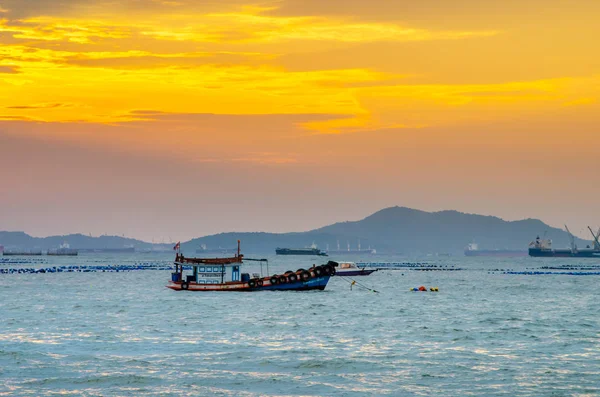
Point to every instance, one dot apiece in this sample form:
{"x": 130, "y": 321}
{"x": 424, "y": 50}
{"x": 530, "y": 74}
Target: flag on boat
{"x": 177, "y": 246}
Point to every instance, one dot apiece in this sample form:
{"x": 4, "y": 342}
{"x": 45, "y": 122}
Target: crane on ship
{"x": 596, "y": 237}
{"x": 572, "y": 238}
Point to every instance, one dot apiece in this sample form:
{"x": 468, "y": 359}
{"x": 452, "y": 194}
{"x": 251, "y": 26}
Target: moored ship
{"x": 473, "y": 250}
{"x": 222, "y": 251}
{"x": 224, "y": 274}
{"x": 123, "y": 250}
{"x": 15, "y": 252}
{"x": 351, "y": 251}
{"x": 312, "y": 250}
{"x": 542, "y": 247}
{"x": 63, "y": 250}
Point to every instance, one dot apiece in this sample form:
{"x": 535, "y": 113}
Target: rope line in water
{"x": 354, "y": 282}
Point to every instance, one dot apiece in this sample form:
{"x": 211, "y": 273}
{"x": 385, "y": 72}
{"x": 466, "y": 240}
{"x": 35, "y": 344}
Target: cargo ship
{"x": 33, "y": 252}
{"x": 312, "y": 250}
{"x": 542, "y": 247}
{"x": 473, "y": 250}
{"x": 223, "y": 251}
{"x": 124, "y": 250}
{"x": 350, "y": 251}
{"x": 63, "y": 250}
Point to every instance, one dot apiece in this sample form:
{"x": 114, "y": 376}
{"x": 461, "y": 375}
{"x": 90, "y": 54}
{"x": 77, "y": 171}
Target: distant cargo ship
{"x": 224, "y": 251}
{"x": 312, "y": 250}
{"x": 543, "y": 248}
{"x": 63, "y": 250}
{"x": 350, "y": 251}
{"x": 124, "y": 250}
{"x": 22, "y": 252}
{"x": 473, "y": 250}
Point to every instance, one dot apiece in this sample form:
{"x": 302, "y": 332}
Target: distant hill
{"x": 402, "y": 230}
{"x": 391, "y": 230}
{"x": 21, "y": 240}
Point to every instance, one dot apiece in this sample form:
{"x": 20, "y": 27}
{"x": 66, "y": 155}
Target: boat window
{"x": 202, "y": 268}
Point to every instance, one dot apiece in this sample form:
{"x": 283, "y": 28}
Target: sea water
{"x": 485, "y": 332}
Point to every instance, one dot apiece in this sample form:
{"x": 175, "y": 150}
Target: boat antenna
{"x": 238, "y": 254}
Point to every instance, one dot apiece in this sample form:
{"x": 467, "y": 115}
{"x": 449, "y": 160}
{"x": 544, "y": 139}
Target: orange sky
{"x": 179, "y": 118}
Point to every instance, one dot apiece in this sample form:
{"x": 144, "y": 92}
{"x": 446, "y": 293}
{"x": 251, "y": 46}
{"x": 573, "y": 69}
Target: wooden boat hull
{"x": 315, "y": 283}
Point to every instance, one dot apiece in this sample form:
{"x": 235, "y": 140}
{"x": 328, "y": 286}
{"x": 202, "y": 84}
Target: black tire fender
{"x": 304, "y": 275}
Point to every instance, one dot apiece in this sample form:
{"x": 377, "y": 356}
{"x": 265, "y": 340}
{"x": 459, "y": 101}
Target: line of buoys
{"x": 372, "y": 264}
{"x": 84, "y": 269}
{"x": 419, "y": 266}
{"x": 422, "y": 288}
{"x": 555, "y": 273}
{"x": 571, "y": 267}
{"x": 14, "y": 261}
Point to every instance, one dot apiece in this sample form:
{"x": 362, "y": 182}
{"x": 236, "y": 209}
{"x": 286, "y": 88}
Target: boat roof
{"x": 209, "y": 261}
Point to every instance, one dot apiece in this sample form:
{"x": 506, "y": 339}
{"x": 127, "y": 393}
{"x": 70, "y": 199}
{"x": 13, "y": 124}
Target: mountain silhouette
{"x": 390, "y": 230}
{"x": 404, "y": 230}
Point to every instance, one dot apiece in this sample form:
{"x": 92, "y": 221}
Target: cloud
{"x": 292, "y": 119}
{"x": 40, "y": 106}
{"x": 57, "y": 29}
{"x": 9, "y": 69}
{"x": 246, "y": 25}
{"x": 17, "y": 118}
{"x": 253, "y": 25}
{"x": 144, "y": 59}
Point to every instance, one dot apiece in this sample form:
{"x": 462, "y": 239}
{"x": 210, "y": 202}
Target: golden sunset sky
{"x": 180, "y": 118}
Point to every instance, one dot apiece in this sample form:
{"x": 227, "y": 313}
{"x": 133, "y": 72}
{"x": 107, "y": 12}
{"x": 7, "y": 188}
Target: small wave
{"x": 116, "y": 379}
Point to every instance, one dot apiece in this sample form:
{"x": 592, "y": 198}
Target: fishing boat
{"x": 224, "y": 274}
{"x": 350, "y": 269}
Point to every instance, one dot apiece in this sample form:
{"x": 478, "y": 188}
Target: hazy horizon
{"x": 170, "y": 239}
{"x": 186, "y": 118}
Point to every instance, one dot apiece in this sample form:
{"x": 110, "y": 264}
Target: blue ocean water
{"x": 485, "y": 333}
